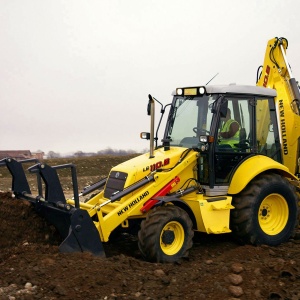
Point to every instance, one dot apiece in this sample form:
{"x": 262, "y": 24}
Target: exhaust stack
{"x": 151, "y": 112}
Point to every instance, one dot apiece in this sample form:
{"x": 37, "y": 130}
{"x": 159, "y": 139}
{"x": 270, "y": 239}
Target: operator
{"x": 230, "y": 131}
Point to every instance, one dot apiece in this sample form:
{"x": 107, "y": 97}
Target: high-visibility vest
{"x": 232, "y": 140}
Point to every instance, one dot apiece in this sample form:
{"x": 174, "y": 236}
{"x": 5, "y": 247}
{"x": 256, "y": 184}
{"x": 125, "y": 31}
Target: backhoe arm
{"x": 277, "y": 74}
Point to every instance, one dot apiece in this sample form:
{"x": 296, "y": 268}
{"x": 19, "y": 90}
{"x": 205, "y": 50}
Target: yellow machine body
{"x": 193, "y": 181}
{"x": 210, "y": 214}
{"x": 209, "y": 217}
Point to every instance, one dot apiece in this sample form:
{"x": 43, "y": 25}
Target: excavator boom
{"x": 277, "y": 74}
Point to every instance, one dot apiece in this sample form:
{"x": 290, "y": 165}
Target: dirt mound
{"x": 31, "y": 266}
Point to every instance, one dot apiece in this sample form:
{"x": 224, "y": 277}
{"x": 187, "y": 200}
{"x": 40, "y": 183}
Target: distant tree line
{"x": 107, "y": 151}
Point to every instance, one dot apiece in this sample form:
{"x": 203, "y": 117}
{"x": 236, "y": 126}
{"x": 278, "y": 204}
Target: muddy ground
{"x": 31, "y": 266}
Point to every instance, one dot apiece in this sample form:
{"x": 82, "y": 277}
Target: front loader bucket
{"x": 74, "y": 225}
{"x": 83, "y": 235}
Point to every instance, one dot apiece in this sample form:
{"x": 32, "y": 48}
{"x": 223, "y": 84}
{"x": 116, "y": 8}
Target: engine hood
{"x": 137, "y": 168}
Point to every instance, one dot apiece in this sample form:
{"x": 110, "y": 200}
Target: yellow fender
{"x": 252, "y": 167}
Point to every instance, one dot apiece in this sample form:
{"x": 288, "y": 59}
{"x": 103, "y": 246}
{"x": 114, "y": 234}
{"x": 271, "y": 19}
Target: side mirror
{"x": 145, "y": 135}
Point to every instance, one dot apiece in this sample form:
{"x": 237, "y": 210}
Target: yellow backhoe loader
{"x": 228, "y": 162}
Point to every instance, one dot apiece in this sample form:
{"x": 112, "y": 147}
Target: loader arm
{"x": 277, "y": 74}
{"x": 113, "y": 212}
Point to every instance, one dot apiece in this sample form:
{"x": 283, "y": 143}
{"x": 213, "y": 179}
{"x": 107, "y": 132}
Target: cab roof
{"x": 238, "y": 89}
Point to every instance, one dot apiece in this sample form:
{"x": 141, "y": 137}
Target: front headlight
{"x": 201, "y": 90}
{"x": 179, "y": 92}
{"x": 203, "y": 138}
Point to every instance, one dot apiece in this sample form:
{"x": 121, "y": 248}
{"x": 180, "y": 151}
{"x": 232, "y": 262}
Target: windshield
{"x": 189, "y": 118}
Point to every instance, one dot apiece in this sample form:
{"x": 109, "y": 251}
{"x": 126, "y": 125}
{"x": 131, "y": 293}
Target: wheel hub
{"x": 273, "y": 214}
{"x": 264, "y": 212}
{"x": 172, "y": 238}
{"x": 168, "y": 237}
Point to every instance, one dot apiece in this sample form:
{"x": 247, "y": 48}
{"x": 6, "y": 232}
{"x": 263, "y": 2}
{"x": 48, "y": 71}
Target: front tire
{"x": 166, "y": 234}
{"x": 266, "y": 211}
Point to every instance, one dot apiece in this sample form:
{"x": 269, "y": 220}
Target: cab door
{"x": 234, "y": 137}
{"x": 258, "y": 135}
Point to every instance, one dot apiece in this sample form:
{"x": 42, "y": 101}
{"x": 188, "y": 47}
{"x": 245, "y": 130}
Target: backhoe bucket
{"x": 74, "y": 225}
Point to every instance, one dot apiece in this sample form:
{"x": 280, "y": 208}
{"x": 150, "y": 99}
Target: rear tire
{"x": 166, "y": 234}
{"x": 266, "y": 211}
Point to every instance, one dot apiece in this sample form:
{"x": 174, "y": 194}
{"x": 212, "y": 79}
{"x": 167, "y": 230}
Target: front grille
{"x": 115, "y": 183}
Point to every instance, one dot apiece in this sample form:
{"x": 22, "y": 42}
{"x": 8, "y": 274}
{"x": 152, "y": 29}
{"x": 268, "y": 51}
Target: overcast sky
{"x": 75, "y": 75}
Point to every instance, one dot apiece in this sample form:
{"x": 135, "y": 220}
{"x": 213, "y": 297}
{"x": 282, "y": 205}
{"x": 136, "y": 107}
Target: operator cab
{"x": 225, "y": 124}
